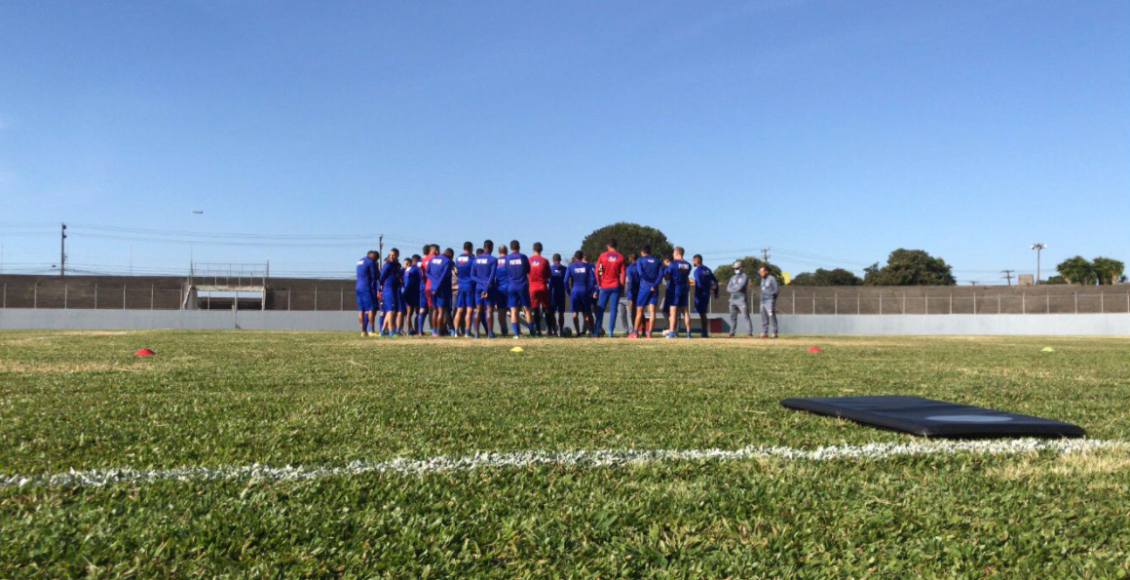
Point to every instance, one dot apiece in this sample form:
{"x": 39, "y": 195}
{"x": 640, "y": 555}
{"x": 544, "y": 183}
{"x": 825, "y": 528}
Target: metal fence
{"x": 334, "y": 296}
{"x": 901, "y": 303}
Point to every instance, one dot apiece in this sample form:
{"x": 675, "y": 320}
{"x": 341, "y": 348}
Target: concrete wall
{"x": 302, "y": 294}
{"x": 965, "y": 324}
{"x": 909, "y": 324}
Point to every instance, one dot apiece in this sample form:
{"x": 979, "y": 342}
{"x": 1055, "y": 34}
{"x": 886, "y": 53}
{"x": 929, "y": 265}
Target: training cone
{"x": 1047, "y": 349}
{"x": 144, "y": 352}
{"x": 517, "y": 349}
{"x": 815, "y": 349}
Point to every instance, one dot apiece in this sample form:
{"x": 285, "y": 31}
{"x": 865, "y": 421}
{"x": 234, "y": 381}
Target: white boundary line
{"x": 580, "y": 458}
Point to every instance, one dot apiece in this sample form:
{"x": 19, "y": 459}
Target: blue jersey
{"x": 412, "y": 280}
{"x": 582, "y": 278}
{"x": 678, "y": 274}
{"x": 438, "y": 272}
{"x": 649, "y": 270}
{"x": 704, "y": 279}
{"x": 463, "y": 265}
{"x": 557, "y": 274}
{"x": 501, "y": 274}
{"x": 482, "y": 271}
{"x": 517, "y": 269}
{"x": 366, "y": 274}
{"x": 390, "y": 276}
{"x": 632, "y": 277}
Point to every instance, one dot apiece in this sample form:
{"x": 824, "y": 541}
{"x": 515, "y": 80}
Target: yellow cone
{"x": 517, "y": 349}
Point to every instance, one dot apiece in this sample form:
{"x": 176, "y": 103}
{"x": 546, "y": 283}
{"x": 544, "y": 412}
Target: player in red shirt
{"x": 539, "y": 289}
{"x": 430, "y": 251}
{"x": 610, "y": 280}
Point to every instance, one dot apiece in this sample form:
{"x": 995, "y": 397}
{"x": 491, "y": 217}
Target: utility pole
{"x": 63, "y": 250}
{"x": 1008, "y": 276}
{"x": 765, "y": 255}
{"x": 1039, "y": 247}
{"x": 380, "y": 247}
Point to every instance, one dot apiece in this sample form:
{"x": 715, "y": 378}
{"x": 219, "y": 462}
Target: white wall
{"x": 866, "y": 324}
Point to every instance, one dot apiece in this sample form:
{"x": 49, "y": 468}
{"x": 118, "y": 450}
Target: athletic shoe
{"x": 774, "y": 335}
{"x": 517, "y": 336}
{"x": 731, "y": 335}
{"x": 490, "y": 335}
{"x": 689, "y": 334}
{"x": 633, "y": 335}
{"x": 762, "y": 336}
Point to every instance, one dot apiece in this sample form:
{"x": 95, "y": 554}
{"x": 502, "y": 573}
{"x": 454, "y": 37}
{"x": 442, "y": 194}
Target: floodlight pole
{"x": 63, "y": 250}
{"x": 1039, "y": 247}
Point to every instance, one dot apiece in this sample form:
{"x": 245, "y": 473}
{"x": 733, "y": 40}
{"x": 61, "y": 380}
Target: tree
{"x": 822, "y": 277}
{"x": 910, "y": 268}
{"x": 1055, "y": 280}
{"x": 750, "y": 265}
{"x": 1108, "y": 270}
{"x": 1077, "y": 270}
{"x": 630, "y": 238}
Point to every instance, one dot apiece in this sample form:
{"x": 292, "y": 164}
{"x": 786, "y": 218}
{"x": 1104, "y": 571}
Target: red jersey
{"x": 539, "y": 273}
{"x": 610, "y": 269}
{"x": 427, "y": 281}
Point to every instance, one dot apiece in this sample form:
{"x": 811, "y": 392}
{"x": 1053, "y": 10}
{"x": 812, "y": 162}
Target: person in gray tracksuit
{"x": 739, "y": 302}
{"x": 769, "y": 292}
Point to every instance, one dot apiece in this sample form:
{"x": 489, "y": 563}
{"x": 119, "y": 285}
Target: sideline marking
{"x": 579, "y": 458}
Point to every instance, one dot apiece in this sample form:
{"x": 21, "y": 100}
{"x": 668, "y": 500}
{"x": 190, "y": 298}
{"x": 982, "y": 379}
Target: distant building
{"x": 1024, "y": 280}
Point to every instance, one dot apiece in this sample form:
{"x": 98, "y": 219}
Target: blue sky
{"x": 832, "y": 132}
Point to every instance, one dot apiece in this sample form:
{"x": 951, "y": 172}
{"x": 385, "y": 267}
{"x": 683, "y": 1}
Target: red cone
{"x": 815, "y": 349}
{"x": 144, "y": 352}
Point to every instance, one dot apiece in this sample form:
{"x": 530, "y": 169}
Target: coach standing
{"x": 739, "y": 302}
{"x": 769, "y": 291}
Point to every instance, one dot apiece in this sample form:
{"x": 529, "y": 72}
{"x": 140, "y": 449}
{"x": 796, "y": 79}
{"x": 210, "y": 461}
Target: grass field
{"x": 82, "y": 401}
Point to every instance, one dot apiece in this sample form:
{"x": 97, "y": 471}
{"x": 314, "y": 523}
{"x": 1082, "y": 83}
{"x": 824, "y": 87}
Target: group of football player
{"x": 461, "y": 295}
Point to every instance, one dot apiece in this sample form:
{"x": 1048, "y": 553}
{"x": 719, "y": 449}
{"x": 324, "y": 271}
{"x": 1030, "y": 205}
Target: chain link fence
{"x": 334, "y": 296}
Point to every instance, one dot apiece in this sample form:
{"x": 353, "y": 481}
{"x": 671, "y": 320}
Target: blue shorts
{"x": 465, "y": 298}
{"x": 365, "y": 301}
{"x": 390, "y": 300}
{"x": 702, "y": 302}
{"x": 645, "y": 296}
{"x": 557, "y": 299}
{"x": 518, "y": 296}
{"x": 441, "y": 298}
{"x": 580, "y": 302}
{"x": 498, "y": 297}
{"x": 410, "y": 299}
{"x": 480, "y": 301}
{"x": 676, "y": 297}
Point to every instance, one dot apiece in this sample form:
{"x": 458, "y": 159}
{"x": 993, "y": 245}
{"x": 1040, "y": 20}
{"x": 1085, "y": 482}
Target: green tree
{"x": 822, "y": 277}
{"x": 1108, "y": 270}
{"x": 750, "y": 265}
{"x": 910, "y": 268}
{"x": 1077, "y": 270}
{"x": 1056, "y": 280}
{"x": 630, "y": 238}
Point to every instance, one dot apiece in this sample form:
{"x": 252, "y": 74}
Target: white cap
{"x": 737, "y": 265}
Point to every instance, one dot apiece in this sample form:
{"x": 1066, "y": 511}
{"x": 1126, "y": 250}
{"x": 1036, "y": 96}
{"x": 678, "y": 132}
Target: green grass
{"x": 82, "y": 401}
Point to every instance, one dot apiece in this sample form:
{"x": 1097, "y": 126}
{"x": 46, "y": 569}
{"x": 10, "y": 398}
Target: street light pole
{"x": 1039, "y": 247}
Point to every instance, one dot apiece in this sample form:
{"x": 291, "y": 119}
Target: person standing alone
{"x": 769, "y": 292}
{"x": 739, "y": 302}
